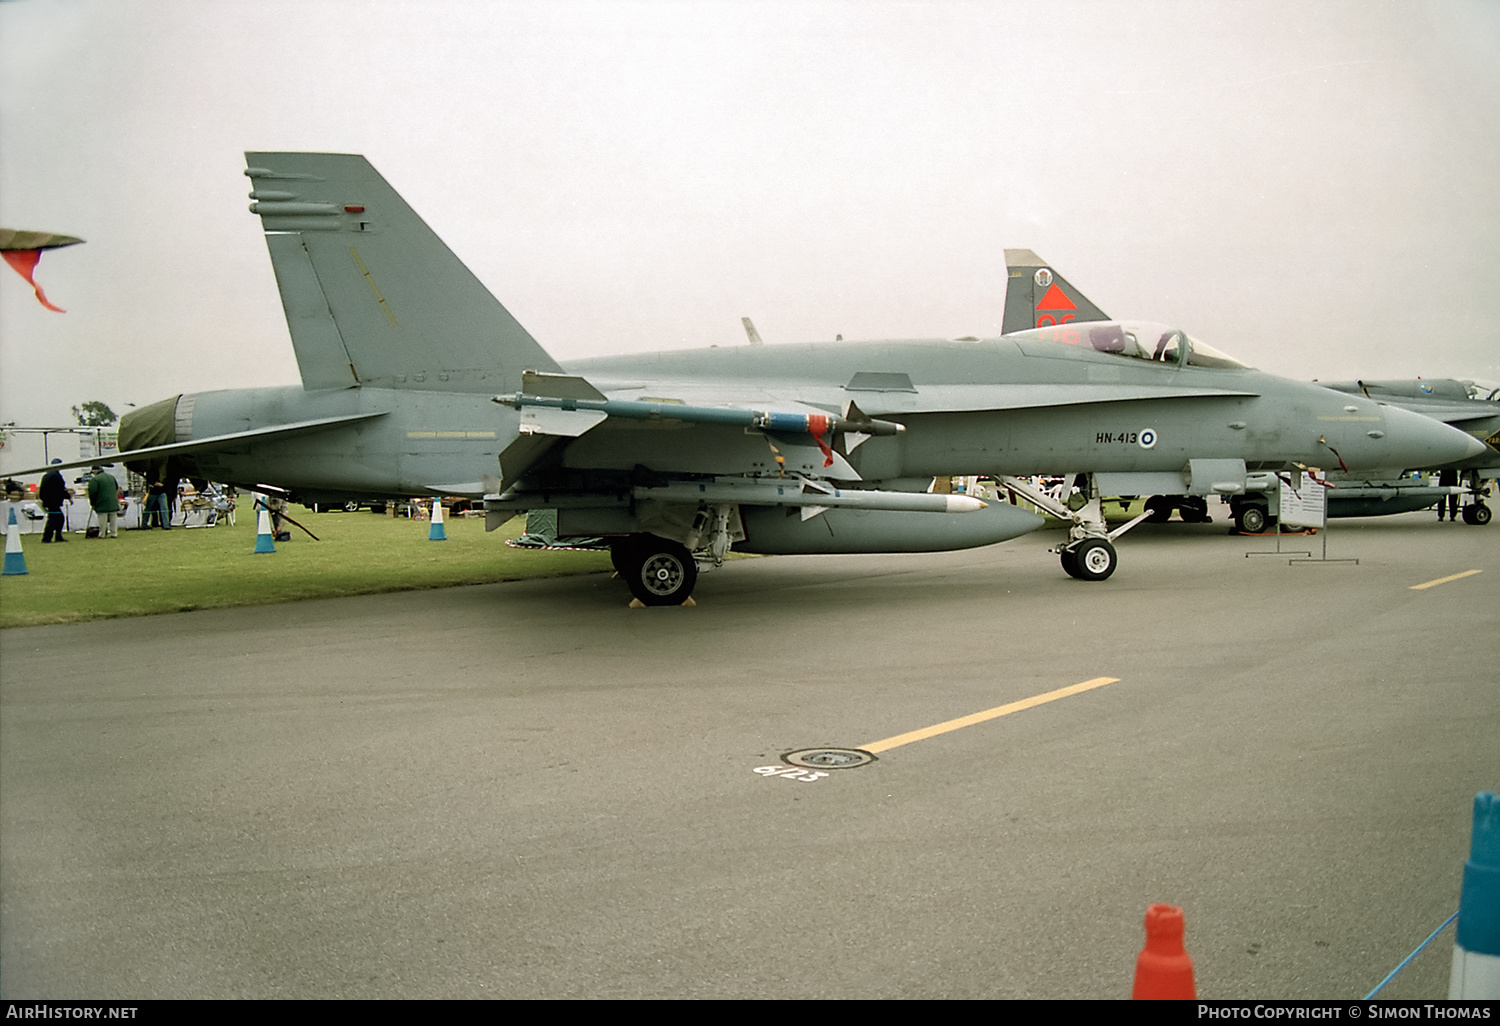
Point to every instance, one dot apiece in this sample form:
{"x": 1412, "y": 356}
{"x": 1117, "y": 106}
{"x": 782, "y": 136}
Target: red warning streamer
{"x": 817, "y": 426}
{"x": 24, "y": 263}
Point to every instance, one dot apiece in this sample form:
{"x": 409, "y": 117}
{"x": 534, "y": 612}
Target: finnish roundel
{"x": 1147, "y": 437}
{"x": 1043, "y": 278}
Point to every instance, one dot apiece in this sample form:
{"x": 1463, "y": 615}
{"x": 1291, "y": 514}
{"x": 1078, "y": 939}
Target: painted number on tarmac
{"x": 807, "y": 776}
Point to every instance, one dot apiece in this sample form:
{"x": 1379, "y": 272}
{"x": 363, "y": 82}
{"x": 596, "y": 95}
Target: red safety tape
{"x": 817, "y": 426}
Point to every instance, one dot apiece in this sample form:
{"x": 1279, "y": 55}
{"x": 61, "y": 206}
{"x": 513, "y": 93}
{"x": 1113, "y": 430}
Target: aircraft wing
{"x": 206, "y": 444}
{"x": 978, "y": 398}
{"x": 894, "y": 394}
{"x": 804, "y": 435}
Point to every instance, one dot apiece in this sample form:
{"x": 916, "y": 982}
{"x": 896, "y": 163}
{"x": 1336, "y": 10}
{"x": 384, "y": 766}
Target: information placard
{"x": 1304, "y": 501}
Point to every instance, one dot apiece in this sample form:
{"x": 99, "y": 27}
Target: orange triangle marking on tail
{"x": 1054, "y": 299}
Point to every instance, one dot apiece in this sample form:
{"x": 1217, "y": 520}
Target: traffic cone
{"x": 1476, "y": 946}
{"x": 263, "y": 537}
{"x": 15, "y": 562}
{"x": 1163, "y": 970}
{"x": 436, "y": 532}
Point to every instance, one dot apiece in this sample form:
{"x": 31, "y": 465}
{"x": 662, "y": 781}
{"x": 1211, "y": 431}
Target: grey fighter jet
{"x": 416, "y": 381}
{"x": 1472, "y": 408}
{"x": 1036, "y": 294}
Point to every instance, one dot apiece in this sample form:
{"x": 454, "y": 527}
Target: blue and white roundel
{"x": 1147, "y": 437}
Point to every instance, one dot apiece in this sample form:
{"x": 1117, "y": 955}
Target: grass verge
{"x": 142, "y": 573}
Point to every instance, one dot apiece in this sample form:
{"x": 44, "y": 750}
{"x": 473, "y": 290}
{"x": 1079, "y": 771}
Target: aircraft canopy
{"x": 1140, "y": 340}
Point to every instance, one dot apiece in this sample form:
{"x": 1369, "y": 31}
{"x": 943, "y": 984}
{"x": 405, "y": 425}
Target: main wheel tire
{"x": 618, "y": 555}
{"x": 1096, "y": 559}
{"x": 659, "y": 572}
{"x": 1477, "y": 514}
{"x": 1159, "y": 508}
{"x": 1251, "y": 519}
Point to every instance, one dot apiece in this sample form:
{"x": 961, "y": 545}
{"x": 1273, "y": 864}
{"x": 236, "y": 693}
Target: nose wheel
{"x": 1092, "y": 559}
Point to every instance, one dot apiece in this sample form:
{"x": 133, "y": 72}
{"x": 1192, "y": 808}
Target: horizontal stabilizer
{"x": 211, "y": 443}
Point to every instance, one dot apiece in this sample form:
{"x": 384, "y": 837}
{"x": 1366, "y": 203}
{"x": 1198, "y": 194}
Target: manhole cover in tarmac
{"x": 829, "y": 758}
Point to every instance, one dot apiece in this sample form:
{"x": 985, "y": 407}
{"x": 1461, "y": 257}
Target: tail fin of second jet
{"x": 1037, "y": 296}
{"x": 372, "y": 295}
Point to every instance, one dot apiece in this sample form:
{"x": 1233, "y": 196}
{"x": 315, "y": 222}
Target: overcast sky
{"x": 1313, "y": 187}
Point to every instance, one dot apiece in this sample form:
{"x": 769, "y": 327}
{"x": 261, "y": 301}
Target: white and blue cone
{"x": 436, "y": 532}
{"x": 263, "y": 538}
{"x": 15, "y": 562}
{"x": 1476, "y": 948}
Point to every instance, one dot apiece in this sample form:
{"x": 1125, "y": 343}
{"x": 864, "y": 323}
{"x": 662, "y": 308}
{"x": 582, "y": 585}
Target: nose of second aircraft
{"x": 1413, "y": 441}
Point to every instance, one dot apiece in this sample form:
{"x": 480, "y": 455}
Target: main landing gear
{"x": 1475, "y": 512}
{"x": 1251, "y": 519}
{"x": 658, "y": 572}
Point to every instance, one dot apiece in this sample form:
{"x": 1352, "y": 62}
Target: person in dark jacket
{"x": 54, "y": 495}
{"x": 104, "y": 497}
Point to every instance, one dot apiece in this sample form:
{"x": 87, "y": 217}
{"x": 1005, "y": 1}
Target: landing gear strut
{"x": 1476, "y": 512}
{"x": 1089, "y": 553}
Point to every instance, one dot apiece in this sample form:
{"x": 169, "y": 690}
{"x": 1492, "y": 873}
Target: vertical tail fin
{"x": 372, "y": 295}
{"x": 1036, "y": 295}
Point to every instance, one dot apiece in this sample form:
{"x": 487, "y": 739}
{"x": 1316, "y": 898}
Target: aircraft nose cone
{"x": 1418, "y": 442}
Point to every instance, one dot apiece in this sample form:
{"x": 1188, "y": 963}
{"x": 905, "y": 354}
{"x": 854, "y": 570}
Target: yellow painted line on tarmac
{"x": 875, "y": 748}
{"x": 1444, "y": 580}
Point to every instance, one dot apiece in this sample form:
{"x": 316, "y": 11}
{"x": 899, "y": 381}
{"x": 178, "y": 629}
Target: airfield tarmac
{"x": 531, "y": 790}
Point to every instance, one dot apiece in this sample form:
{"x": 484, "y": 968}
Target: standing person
{"x": 54, "y": 494}
{"x": 1448, "y": 478}
{"x": 158, "y": 506}
{"x": 104, "y": 497}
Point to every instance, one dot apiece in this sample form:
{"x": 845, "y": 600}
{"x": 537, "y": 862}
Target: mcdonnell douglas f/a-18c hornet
{"x": 416, "y": 381}
{"x": 1036, "y": 295}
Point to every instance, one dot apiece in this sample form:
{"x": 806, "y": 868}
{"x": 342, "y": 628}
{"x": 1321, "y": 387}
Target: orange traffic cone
{"x": 1163, "y": 970}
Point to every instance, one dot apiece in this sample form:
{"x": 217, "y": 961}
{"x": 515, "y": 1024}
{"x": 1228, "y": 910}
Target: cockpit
{"x": 1139, "y": 340}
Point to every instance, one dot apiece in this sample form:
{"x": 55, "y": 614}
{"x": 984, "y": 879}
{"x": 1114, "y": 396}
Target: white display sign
{"x": 101, "y": 445}
{"x": 1304, "y": 501}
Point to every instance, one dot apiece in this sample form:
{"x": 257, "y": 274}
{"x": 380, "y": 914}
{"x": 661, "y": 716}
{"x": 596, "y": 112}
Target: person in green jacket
{"x": 104, "y": 497}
